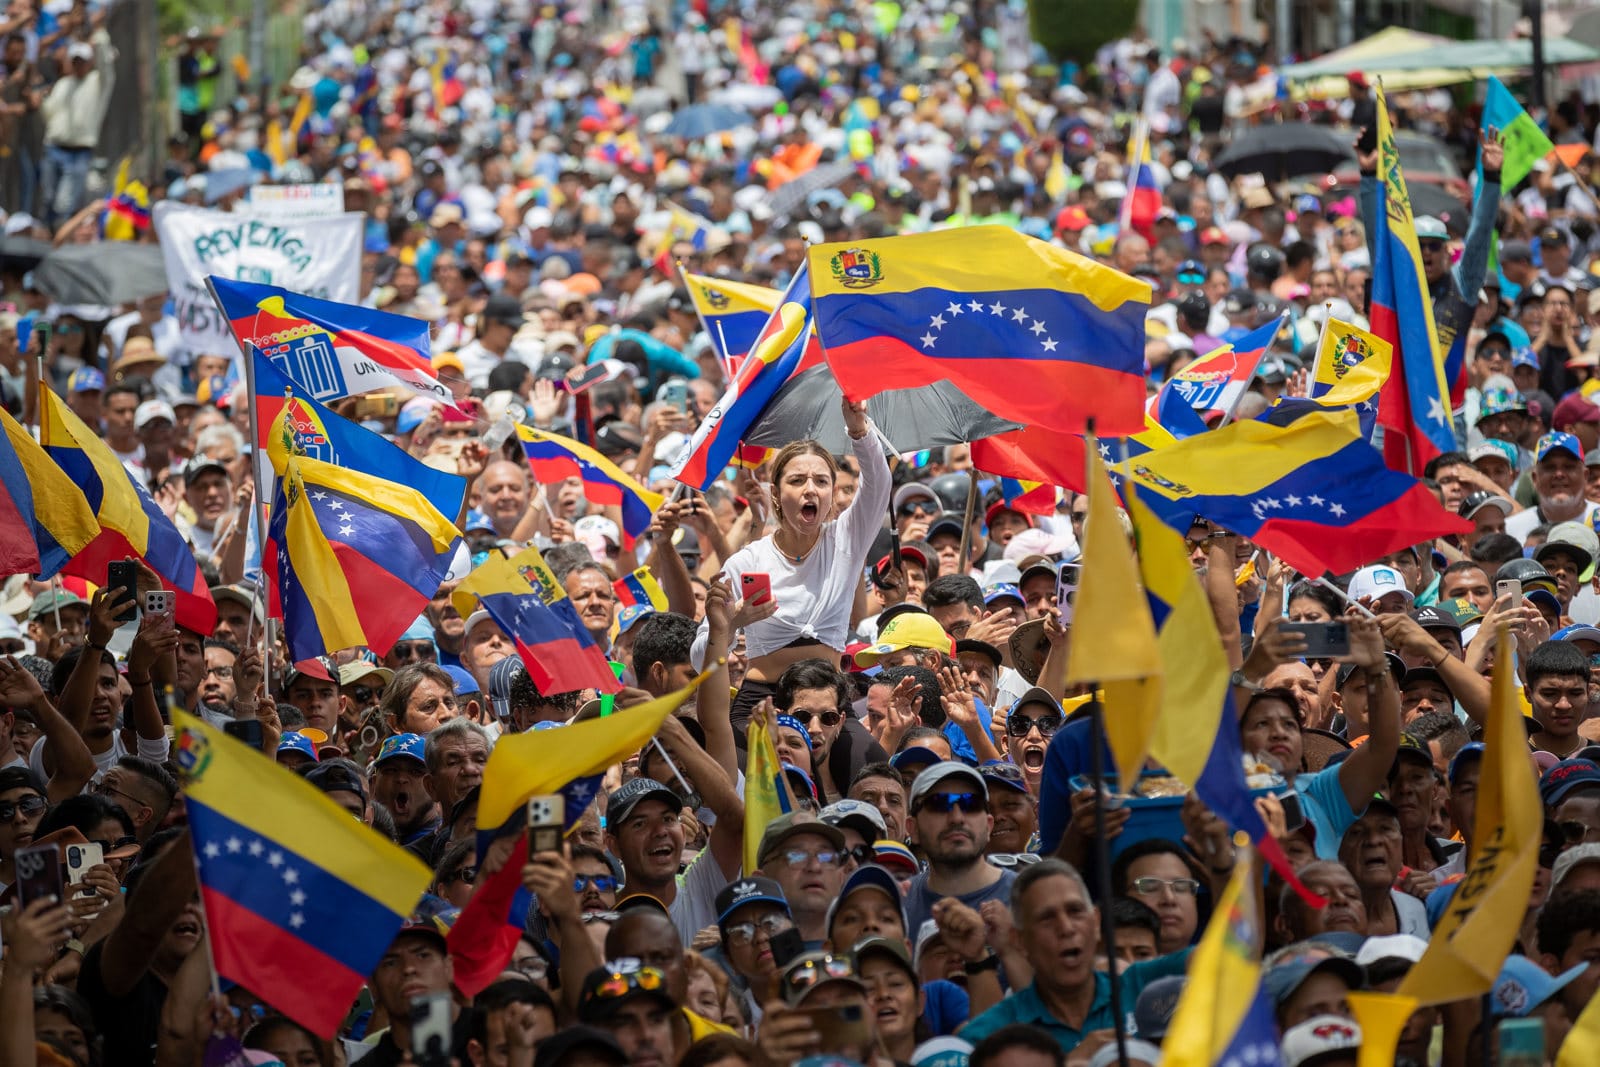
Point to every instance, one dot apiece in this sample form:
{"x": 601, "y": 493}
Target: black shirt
{"x": 129, "y": 1024}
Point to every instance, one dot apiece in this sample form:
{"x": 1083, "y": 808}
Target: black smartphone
{"x": 246, "y": 730}
{"x": 592, "y": 375}
{"x": 894, "y": 549}
{"x": 430, "y": 1029}
{"x": 38, "y": 873}
{"x": 1323, "y": 639}
{"x": 122, "y": 585}
{"x": 1294, "y": 815}
{"x": 786, "y": 945}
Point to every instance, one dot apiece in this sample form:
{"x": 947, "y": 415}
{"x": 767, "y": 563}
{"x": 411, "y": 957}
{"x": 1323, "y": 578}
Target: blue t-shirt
{"x": 1068, "y": 756}
{"x": 945, "y": 1006}
{"x": 1326, "y": 807}
{"x": 920, "y": 900}
{"x": 1025, "y": 1005}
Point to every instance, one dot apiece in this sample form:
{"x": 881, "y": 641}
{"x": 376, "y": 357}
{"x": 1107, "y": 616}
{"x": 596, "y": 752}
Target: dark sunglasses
{"x": 1191, "y": 278}
{"x": 413, "y": 650}
{"x": 109, "y": 847}
{"x": 1573, "y": 831}
{"x": 917, "y": 507}
{"x": 603, "y": 883}
{"x": 942, "y": 803}
{"x": 814, "y": 972}
{"x": 862, "y": 855}
{"x": 1019, "y": 725}
{"x": 29, "y": 805}
{"x": 364, "y": 694}
{"x": 829, "y": 719}
{"x": 468, "y": 875}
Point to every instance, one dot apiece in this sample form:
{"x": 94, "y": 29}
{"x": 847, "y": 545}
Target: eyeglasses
{"x": 1019, "y": 725}
{"x": 468, "y": 875}
{"x": 219, "y": 672}
{"x": 408, "y": 650}
{"x": 111, "y": 846}
{"x": 602, "y": 883}
{"x": 744, "y": 933}
{"x": 1149, "y": 887}
{"x": 103, "y": 788}
{"x": 29, "y": 806}
{"x": 1191, "y": 278}
{"x": 1573, "y": 831}
{"x": 917, "y": 507}
{"x": 1012, "y": 859}
{"x": 532, "y": 967}
{"x": 815, "y": 971}
{"x": 828, "y": 719}
{"x": 861, "y": 854}
{"x": 363, "y": 694}
{"x": 796, "y": 857}
{"x": 1430, "y": 245}
{"x": 941, "y": 803}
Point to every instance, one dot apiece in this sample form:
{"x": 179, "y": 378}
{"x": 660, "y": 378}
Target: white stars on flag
{"x": 1019, "y": 315}
{"x": 225, "y": 864}
{"x": 1312, "y": 508}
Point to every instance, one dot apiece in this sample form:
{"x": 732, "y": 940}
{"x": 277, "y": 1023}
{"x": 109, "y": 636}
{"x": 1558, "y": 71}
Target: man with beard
{"x": 1558, "y": 486}
{"x": 218, "y": 686}
{"x": 449, "y": 628}
{"x": 950, "y": 822}
{"x": 1016, "y": 814}
{"x": 1031, "y": 723}
{"x": 397, "y": 784}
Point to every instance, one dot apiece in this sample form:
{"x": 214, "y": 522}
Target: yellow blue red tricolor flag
{"x": 1035, "y": 455}
{"x": 301, "y": 900}
{"x": 1208, "y": 390}
{"x": 554, "y": 458}
{"x": 640, "y": 588}
{"x": 44, "y": 517}
{"x": 766, "y": 789}
{"x": 734, "y": 313}
{"x": 1032, "y": 332}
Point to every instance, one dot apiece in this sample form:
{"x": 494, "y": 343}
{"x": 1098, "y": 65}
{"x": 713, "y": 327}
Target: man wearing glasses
{"x": 142, "y": 789}
{"x": 804, "y": 856}
{"x": 951, "y": 824}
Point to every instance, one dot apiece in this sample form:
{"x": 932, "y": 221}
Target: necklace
{"x": 786, "y": 554}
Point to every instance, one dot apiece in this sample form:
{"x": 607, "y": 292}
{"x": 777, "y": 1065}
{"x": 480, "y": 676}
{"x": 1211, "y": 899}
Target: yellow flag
{"x": 1113, "y": 637}
{"x": 766, "y": 789}
{"x": 525, "y": 765}
{"x": 1224, "y": 975}
{"x": 1055, "y": 178}
{"x": 1582, "y": 1046}
{"x": 1481, "y": 923}
{"x": 1352, "y": 364}
{"x": 526, "y": 572}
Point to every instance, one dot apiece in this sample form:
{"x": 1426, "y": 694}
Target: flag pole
{"x": 1102, "y": 845}
{"x": 722, "y": 351}
{"x": 968, "y": 517}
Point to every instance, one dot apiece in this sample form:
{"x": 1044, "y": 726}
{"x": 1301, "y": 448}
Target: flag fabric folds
{"x": 1525, "y": 143}
{"x": 491, "y": 576}
{"x": 733, "y": 313}
{"x": 640, "y": 588}
{"x": 766, "y": 789}
{"x": 1310, "y": 492}
{"x": 333, "y": 350}
{"x": 301, "y": 900}
{"x": 787, "y": 345}
{"x": 289, "y": 421}
{"x": 350, "y": 559}
{"x": 1351, "y": 365}
{"x": 44, "y": 518}
{"x": 1582, "y": 1045}
{"x": 1213, "y": 385}
{"x": 1413, "y": 407}
{"x": 1143, "y": 202}
{"x": 558, "y": 651}
{"x": 1034, "y": 454}
{"x": 1033, "y": 498}
{"x": 1114, "y": 638}
{"x": 1033, "y": 333}
{"x": 131, "y": 522}
{"x": 554, "y": 458}
{"x": 1223, "y": 1016}
{"x": 528, "y": 764}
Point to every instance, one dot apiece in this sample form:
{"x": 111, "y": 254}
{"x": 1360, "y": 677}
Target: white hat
{"x": 1408, "y": 947}
{"x": 594, "y": 528}
{"x": 151, "y": 410}
{"x": 1036, "y": 541}
{"x": 1571, "y": 860}
{"x": 1318, "y": 1039}
{"x": 80, "y": 50}
{"x": 1378, "y": 581}
{"x": 537, "y": 218}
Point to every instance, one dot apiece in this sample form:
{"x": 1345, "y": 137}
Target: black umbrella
{"x": 104, "y": 272}
{"x": 22, "y": 253}
{"x": 788, "y": 197}
{"x": 1285, "y": 151}
{"x": 809, "y": 408}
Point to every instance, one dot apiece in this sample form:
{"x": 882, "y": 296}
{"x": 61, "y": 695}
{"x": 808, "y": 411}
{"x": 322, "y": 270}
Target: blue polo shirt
{"x": 1025, "y": 1006}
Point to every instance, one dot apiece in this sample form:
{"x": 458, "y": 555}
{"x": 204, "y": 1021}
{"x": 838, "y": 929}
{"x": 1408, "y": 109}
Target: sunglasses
{"x": 1012, "y": 859}
{"x": 942, "y": 803}
{"x": 814, "y": 972}
{"x": 1573, "y": 831}
{"x": 1191, "y": 278}
{"x": 406, "y": 650}
{"x": 827, "y": 857}
{"x": 108, "y": 847}
{"x": 621, "y": 983}
{"x": 1019, "y": 725}
{"x": 603, "y": 883}
{"x": 1182, "y": 887}
{"x": 600, "y": 917}
{"x": 917, "y": 507}
{"x": 745, "y": 933}
{"x": 364, "y": 694}
{"x": 861, "y": 854}
{"x": 828, "y": 719}
{"x": 28, "y": 805}
{"x": 468, "y": 875}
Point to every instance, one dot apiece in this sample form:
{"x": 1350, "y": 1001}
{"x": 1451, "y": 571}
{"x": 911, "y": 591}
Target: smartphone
{"x": 1512, "y": 588}
{"x": 843, "y": 1028}
{"x": 1323, "y": 639}
{"x": 786, "y": 945}
{"x": 676, "y": 393}
{"x": 546, "y": 817}
{"x": 38, "y": 873}
{"x": 122, "y": 583}
{"x": 1067, "y": 579}
{"x": 430, "y": 1029}
{"x": 756, "y": 586}
{"x": 498, "y": 434}
{"x": 377, "y": 406}
{"x": 1521, "y": 1042}
{"x": 159, "y": 601}
{"x": 894, "y": 549}
{"x": 1294, "y": 814}
{"x": 80, "y": 858}
{"x": 246, "y": 730}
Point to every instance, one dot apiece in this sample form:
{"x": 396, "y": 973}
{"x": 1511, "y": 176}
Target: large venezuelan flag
{"x": 44, "y": 518}
{"x": 1311, "y": 492}
{"x": 554, "y": 458}
{"x": 559, "y": 653}
{"x": 131, "y": 522}
{"x": 301, "y": 900}
{"x": 1032, "y": 332}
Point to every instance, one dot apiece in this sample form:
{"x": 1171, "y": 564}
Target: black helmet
{"x": 1265, "y": 261}
{"x": 1521, "y": 570}
{"x": 951, "y": 489}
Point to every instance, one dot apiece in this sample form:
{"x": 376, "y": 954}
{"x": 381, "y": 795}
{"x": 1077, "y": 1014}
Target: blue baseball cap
{"x": 630, "y": 615}
{"x": 1552, "y": 441}
{"x": 1523, "y": 985}
{"x": 477, "y": 520}
{"x": 1001, "y": 590}
{"x": 86, "y": 380}
{"x": 465, "y": 682}
{"x": 1566, "y": 776}
{"x": 1469, "y": 752}
{"x": 410, "y": 746}
{"x": 796, "y": 775}
{"x": 291, "y": 741}
{"x": 751, "y": 890}
{"x": 915, "y": 754}
{"x": 1524, "y": 356}
{"x": 867, "y": 876}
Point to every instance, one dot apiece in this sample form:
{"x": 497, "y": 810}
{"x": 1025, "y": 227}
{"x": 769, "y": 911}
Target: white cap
{"x": 596, "y": 526}
{"x": 1312, "y": 1041}
{"x": 1571, "y": 860}
{"x": 1408, "y": 947}
{"x": 537, "y": 218}
{"x": 80, "y": 50}
{"x": 151, "y": 410}
{"x": 1378, "y": 581}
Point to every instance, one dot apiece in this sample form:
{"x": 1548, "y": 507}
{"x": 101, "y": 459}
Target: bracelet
{"x": 138, "y": 682}
{"x": 74, "y": 945}
{"x": 990, "y": 962}
{"x": 1444, "y": 654}
{"x": 97, "y": 648}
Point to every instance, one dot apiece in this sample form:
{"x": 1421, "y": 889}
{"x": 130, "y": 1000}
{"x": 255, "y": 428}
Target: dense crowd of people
{"x": 934, "y": 897}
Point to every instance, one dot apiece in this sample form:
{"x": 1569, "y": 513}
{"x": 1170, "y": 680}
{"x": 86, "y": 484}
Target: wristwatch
{"x": 991, "y": 962}
{"x": 1239, "y": 681}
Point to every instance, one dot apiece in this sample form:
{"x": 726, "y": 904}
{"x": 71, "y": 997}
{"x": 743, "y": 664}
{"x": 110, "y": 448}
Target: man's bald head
{"x": 504, "y": 493}
{"x": 650, "y": 937}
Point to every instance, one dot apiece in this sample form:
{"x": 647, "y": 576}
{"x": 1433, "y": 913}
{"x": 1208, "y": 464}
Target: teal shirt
{"x": 1025, "y": 1006}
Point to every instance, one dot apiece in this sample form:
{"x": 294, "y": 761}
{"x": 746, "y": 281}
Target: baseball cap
{"x": 1005, "y": 774}
{"x": 1566, "y": 776}
{"x": 894, "y": 856}
{"x": 199, "y": 465}
{"x": 1550, "y": 442}
{"x": 906, "y": 758}
{"x": 915, "y": 491}
{"x": 1397, "y": 668}
{"x": 982, "y": 648}
{"x": 1577, "y": 632}
{"x": 1432, "y": 617}
{"x": 1407, "y": 947}
{"x": 52, "y": 600}
{"x": 354, "y": 671}
{"x": 409, "y": 746}
{"x": 813, "y": 970}
{"x": 1523, "y": 985}
{"x": 338, "y": 776}
{"x": 1430, "y": 228}
{"x": 1213, "y": 235}
{"x": 1571, "y": 860}
{"x": 1320, "y": 1039}
{"x": 930, "y": 778}
{"x": 1152, "y": 1012}
{"x": 628, "y": 616}
{"x": 554, "y": 1050}
{"x": 1469, "y": 752}
{"x": 1550, "y": 235}
{"x": 292, "y": 741}
{"x": 1574, "y": 537}
{"x": 949, "y": 522}
{"x": 150, "y": 411}
{"x": 752, "y": 890}
{"x": 1001, "y": 591}
{"x": 1378, "y": 581}
{"x": 941, "y": 1051}
{"x": 86, "y": 380}
{"x": 858, "y": 815}
{"x": 613, "y": 984}
{"x": 784, "y": 827}
{"x": 1136, "y": 1048}
{"x": 868, "y": 876}
{"x": 1494, "y": 448}
{"x": 915, "y": 629}
{"x": 628, "y": 797}
{"x": 1479, "y": 499}
{"x": 1283, "y": 980}
{"x": 465, "y": 683}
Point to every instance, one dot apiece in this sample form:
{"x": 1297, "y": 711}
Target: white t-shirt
{"x": 694, "y": 908}
{"x": 1523, "y": 522}
{"x": 155, "y": 751}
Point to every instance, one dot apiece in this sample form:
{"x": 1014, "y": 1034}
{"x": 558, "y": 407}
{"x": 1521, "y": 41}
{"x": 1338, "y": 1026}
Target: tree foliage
{"x": 1076, "y": 29}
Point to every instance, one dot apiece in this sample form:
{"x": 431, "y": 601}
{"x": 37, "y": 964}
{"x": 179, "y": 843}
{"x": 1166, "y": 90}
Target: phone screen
{"x": 122, "y": 580}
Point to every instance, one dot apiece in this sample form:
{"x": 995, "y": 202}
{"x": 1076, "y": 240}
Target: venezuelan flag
{"x": 332, "y": 350}
{"x": 301, "y": 900}
{"x": 1143, "y": 201}
{"x": 131, "y": 522}
{"x": 640, "y": 587}
{"x": 734, "y": 313}
{"x": 1352, "y": 364}
{"x": 525, "y": 571}
{"x": 553, "y": 458}
{"x": 1413, "y": 407}
{"x": 44, "y": 518}
{"x": 551, "y": 639}
{"x": 1212, "y": 386}
{"x": 1054, "y": 458}
{"x": 1032, "y": 332}
{"x": 291, "y": 423}
{"x": 786, "y": 347}
{"x": 350, "y": 559}
{"x": 1311, "y": 492}
{"x": 1035, "y": 498}
{"x": 766, "y": 789}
